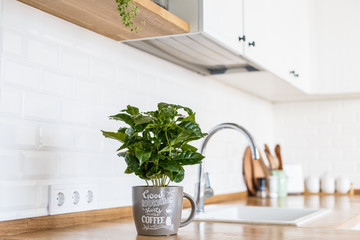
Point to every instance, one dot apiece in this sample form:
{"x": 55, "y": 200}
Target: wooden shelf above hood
{"x": 102, "y": 16}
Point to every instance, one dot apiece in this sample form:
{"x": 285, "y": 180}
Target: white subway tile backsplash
{"x": 345, "y": 168}
{"x": 305, "y": 155}
{"x": 75, "y": 113}
{"x": 88, "y": 92}
{"x": 39, "y": 164}
{"x": 335, "y": 139}
{"x": 43, "y": 53}
{"x": 116, "y": 97}
{"x": 11, "y": 162}
{"x": 329, "y": 129}
{"x": 125, "y": 76}
{"x": 305, "y": 130}
{"x": 330, "y": 155}
{"x": 102, "y": 165}
{"x": 352, "y": 105}
{"x": 351, "y": 129}
{"x": 73, "y": 164}
{"x": 148, "y": 82}
{"x": 109, "y": 145}
{"x": 344, "y": 141}
{"x": 11, "y": 100}
{"x": 88, "y": 140}
{"x": 76, "y": 62}
{"x": 41, "y": 106}
{"x": 18, "y": 196}
{"x": 111, "y": 192}
{"x": 57, "y": 83}
{"x": 21, "y": 73}
{"x": 344, "y": 117}
{"x": 53, "y": 136}
{"x": 101, "y": 117}
{"x": 319, "y": 141}
{"x": 18, "y": 133}
{"x": 102, "y": 70}
{"x": 12, "y": 42}
{"x": 322, "y": 117}
{"x": 329, "y": 106}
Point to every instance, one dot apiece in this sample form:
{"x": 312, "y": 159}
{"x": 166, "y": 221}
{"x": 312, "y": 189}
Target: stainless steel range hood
{"x": 198, "y": 52}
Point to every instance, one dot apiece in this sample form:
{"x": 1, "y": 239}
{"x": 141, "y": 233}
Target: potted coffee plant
{"x": 155, "y": 146}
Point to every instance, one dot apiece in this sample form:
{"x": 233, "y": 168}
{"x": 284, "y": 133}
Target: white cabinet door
{"x": 258, "y": 32}
{"x": 335, "y": 38}
{"x": 223, "y": 20}
{"x": 293, "y": 47}
{"x": 276, "y": 34}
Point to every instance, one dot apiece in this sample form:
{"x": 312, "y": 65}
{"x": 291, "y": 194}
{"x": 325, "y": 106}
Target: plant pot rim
{"x": 144, "y": 186}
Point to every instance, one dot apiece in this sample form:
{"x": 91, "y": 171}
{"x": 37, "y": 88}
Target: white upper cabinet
{"x": 335, "y": 48}
{"x": 258, "y": 46}
{"x": 277, "y": 38}
{"x": 223, "y": 20}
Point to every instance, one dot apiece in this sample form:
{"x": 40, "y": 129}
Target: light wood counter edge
{"x": 350, "y": 224}
{"x": 14, "y": 227}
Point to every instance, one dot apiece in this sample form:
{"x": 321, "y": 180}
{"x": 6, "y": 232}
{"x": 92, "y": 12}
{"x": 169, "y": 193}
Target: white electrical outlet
{"x": 67, "y": 198}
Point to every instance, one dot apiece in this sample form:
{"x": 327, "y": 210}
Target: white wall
{"x": 59, "y": 83}
{"x": 322, "y": 135}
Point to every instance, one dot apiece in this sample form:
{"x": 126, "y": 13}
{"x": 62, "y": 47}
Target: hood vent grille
{"x": 195, "y": 51}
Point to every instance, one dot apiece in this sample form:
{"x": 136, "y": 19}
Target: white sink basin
{"x": 262, "y": 215}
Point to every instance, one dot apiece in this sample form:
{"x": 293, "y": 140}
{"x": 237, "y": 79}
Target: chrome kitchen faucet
{"x": 203, "y": 189}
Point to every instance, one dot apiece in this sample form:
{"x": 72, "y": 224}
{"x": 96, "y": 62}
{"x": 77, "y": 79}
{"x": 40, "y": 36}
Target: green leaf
{"x": 186, "y": 146}
{"x": 190, "y": 118}
{"x": 131, "y": 110}
{"x": 183, "y": 136}
{"x": 142, "y": 155}
{"x": 124, "y": 117}
{"x": 141, "y": 119}
{"x": 166, "y": 114}
{"x": 132, "y": 163}
{"x": 117, "y": 136}
{"x": 179, "y": 176}
{"x": 122, "y": 154}
{"x": 188, "y": 158}
{"x": 130, "y": 131}
{"x": 165, "y": 149}
{"x": 171, "y": 166}
{"x": 191, "y": 127}
{"x": 131, "y": 143}
{"x": 162, "y": 105}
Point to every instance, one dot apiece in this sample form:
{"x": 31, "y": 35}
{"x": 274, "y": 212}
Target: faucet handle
{"x": 209, "y": 192}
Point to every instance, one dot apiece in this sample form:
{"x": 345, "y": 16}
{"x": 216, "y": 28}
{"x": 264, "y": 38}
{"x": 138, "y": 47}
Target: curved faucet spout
{"x": 201, "y": 183}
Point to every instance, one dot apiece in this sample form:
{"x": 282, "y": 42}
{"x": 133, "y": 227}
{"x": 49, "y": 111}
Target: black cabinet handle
{"x": 252, "y": 44}
{"x": 243, "y": 38}
{"x": 294, "y": 73}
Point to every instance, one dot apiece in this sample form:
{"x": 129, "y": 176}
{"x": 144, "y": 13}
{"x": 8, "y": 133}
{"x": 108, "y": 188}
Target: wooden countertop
{"x": 344, "y": 210}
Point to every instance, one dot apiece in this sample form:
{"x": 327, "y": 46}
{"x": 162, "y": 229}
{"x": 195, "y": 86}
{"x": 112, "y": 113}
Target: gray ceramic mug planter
{"x": 157, "y": 210}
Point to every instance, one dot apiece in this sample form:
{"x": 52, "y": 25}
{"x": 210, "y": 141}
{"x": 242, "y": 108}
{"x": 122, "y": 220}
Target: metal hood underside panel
{"x": 195, "y": 51}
